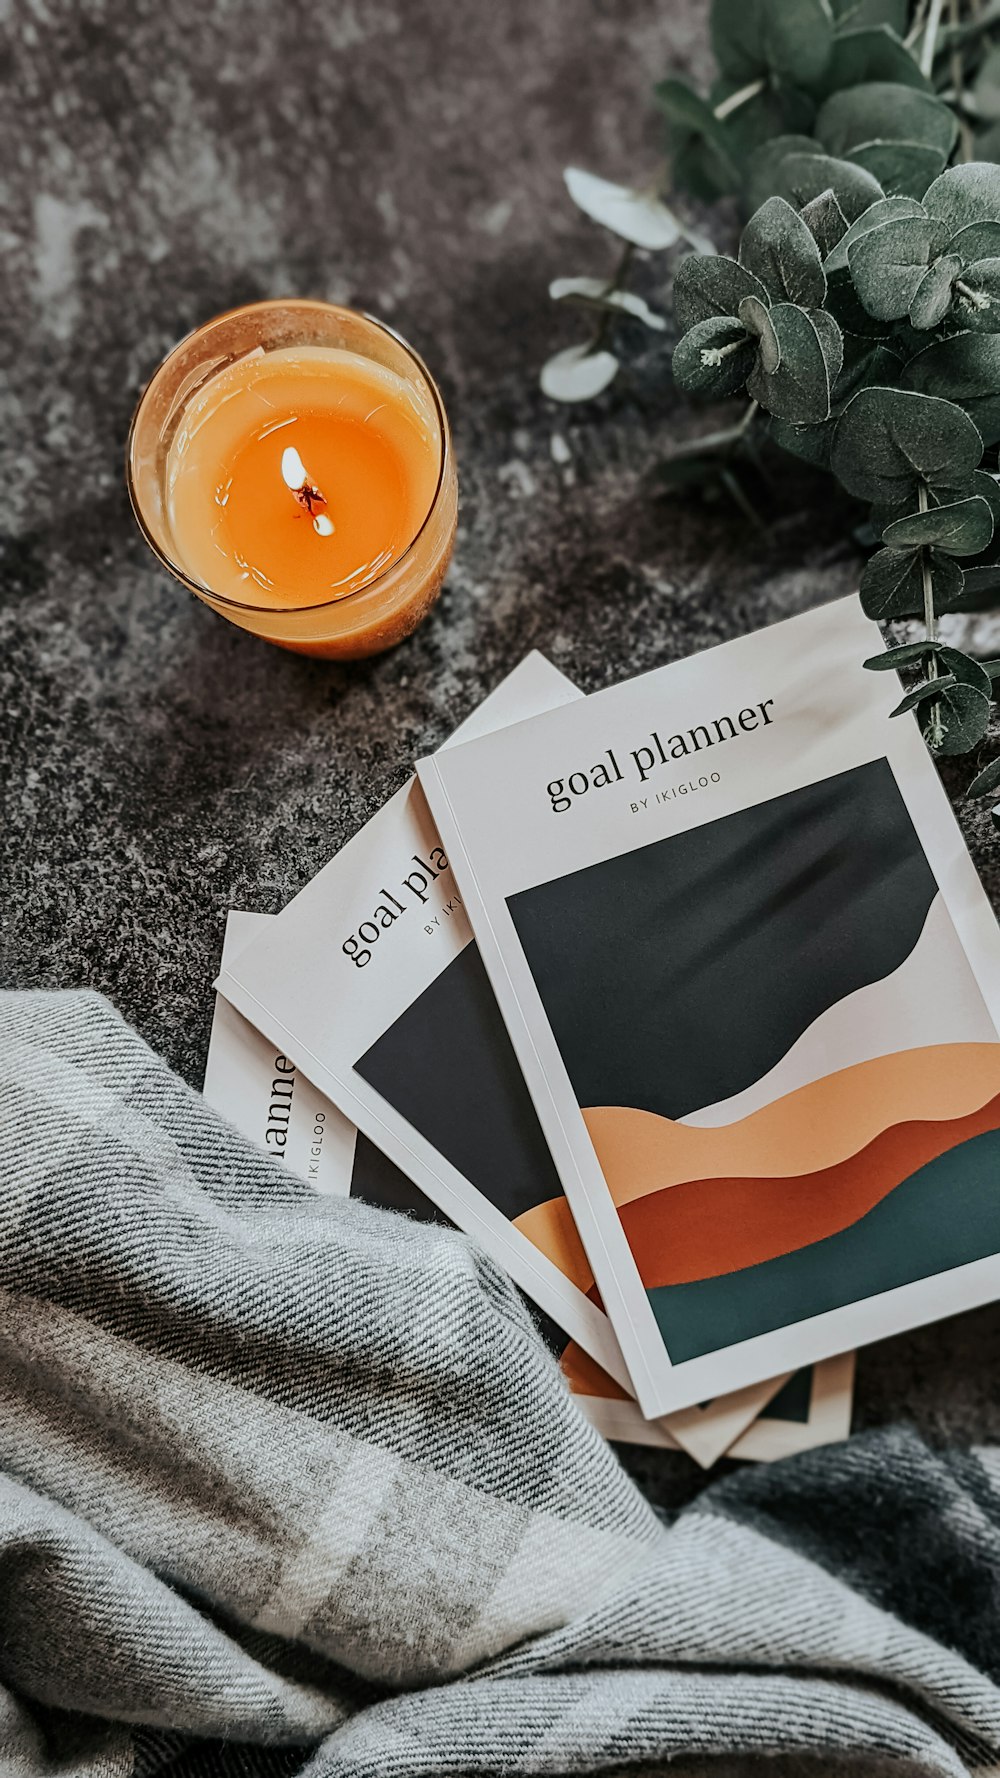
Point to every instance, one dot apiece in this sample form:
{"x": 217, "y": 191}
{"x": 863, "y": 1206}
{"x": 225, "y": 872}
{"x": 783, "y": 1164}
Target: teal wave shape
{"x": 944, "y": 1215}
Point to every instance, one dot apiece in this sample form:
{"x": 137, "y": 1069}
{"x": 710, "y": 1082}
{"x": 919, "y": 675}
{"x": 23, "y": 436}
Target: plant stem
{"x": 726, "y": 107}
{"x": 602, "y": 332}
{"x": 957, "y": 81}
{"x": 930, "y": 38}
{"x": 930, "y": 621}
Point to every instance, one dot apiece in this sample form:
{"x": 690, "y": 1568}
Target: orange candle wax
{"x": 304, "y": 485}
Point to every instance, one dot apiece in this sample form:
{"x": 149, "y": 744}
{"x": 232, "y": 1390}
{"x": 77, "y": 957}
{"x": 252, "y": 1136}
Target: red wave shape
{"x": 706, "y": 1227}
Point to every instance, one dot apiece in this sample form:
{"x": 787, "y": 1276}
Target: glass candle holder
{"x": 291, "y": 464}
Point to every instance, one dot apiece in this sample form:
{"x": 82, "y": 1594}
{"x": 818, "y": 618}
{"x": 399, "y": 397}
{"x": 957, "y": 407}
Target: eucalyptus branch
{"x": 726, "y": 107}
{"x": 930, "y": 618}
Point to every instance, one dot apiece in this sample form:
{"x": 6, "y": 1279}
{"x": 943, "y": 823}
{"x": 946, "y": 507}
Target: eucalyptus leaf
{"x": 777, "y": 247}
{"x": 831, "y": 342}
{"x": 797, "y": 387}
{"x": 774, "y": 110}
{"x": 825, "y": 221}
{"x": 890, "y": 440}
{"x": 892, "y": 584}
{"x": 956, "y": 721}
{"x": 597, "y": 293}
{"x": 859, "y": 13}
{"x": 762, "y": 173}
{"x": 811, "y": 444}
{"x": 714, "y": 358}
{"x": 636, "y": 216}
{"x": 707, "y": 287}
{"x": 977, "y": 240}
{"x": 578, "y": 373}
{"x": 882, "y": 210}
{"x": 901, "y": 168}
{"x": 802, "y": 176}
{"x": 928, "y": 688}
{"x": 986, "y": 780}
{"x": 964, "y": 670}
{"x": 910, "y": 654}
{"x": 962, "y": 528}
{"x": 887, "y": 264}
{"x": 933, "y": 295}
{"x": 965, "y": 194}
{"x": 788, "y": 38}
{"x": 964, "y": 368}
{"x": 976, "y": 302}
{"x": 870, "y": 53}
{"x": 689, "y": 113}
{"x": 883, "y": 111}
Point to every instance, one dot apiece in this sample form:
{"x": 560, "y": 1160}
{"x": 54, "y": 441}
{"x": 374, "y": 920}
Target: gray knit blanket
{"x": 289, "y": 1486}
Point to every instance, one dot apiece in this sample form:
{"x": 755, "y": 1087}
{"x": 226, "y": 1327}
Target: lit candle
{"x": 291, "y": 463}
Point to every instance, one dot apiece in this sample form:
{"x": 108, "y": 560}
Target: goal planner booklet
{"x": 265, "y": 1096}
{"x": 369, "y": 982}
{"x": 753, "y": 982}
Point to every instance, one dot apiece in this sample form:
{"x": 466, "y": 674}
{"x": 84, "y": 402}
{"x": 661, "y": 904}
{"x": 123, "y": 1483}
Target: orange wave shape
{"x": 811, "y": 1128}
{"x": 706, "y": 1227}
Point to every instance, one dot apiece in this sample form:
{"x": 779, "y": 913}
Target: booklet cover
{"x": 370, "y": 983}
{"x": 753, "y": 982}
{"x": 265, "y": 1096}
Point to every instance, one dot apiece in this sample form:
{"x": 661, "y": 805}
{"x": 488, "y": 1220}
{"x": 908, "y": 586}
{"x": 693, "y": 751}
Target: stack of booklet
{"x": 682, "y": 1000}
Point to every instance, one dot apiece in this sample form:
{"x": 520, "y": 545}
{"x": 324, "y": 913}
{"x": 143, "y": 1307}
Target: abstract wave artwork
{"x": 800, "y": 1102}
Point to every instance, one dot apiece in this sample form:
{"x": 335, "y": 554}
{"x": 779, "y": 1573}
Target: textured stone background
{"x": 166, "y": 160}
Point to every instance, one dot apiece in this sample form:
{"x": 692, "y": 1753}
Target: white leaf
{"x": 636, "y": 216}
{"x": 578, "y": 373}
{"x": 594, "y": 290}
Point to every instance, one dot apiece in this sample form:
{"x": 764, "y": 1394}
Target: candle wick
{"x": 309, "y": 497}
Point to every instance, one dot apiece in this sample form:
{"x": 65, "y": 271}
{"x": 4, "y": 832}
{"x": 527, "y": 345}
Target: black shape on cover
{"x": 448, "y": 1067}
{"x": 377, "y": 1180}
{"x": 678, "y": 974}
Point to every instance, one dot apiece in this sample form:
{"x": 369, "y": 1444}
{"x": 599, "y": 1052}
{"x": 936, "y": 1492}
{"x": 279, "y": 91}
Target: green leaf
{"x": 858, "y": 13}
{"x": 977, "y": 299}
{"x": 707, "y": 285}
{"x": 777, "y": 248}
{"x": 870, "y": 53}
{"x": 887, "y": 264}
{"x": 978, "y": 240}
{"x": 965, "y": 194}
{"x": 889, "y": 440}
{"x": 774, "y": 111}
{"x": 957, "y": 721}
{"x": 797, "y": 386}
{"x": 802, "y": 176}
{"x": 811, "y": 444}
{"x": 901, "y": 168}
{"x": 714, "y": 358}
{"x": 687, "y": 112}
{"x": 825, "y": 221}
{"x": 762, "y": 169}
{"x": 964, "y": 670}
{"x": 928, "y": 688}
{"x": 831, "y": 343}
{"x": 932, "y": 297}
{"x": 883, "y": 210}
{"x": 789, "y": 38}
{"x": 962, "y": 528}
{"x": 881, "y": 111}
{"x": 986, "y": 87}
{"x": 892, "y": 584}
{"x": 964, "y": 369}
{"x": 987, "y": 780}
{"x": 865, "y": 362}
{"x": 911, "y": 654}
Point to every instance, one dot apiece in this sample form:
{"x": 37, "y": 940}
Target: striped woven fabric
{"x": 288, "y": 1485}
